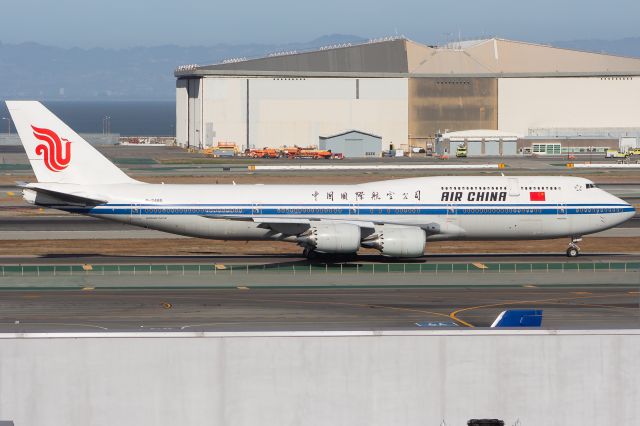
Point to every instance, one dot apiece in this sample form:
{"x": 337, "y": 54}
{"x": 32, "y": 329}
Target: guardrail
{"x": 302, "y": 269}
{"x": 603, "y": 165}
{"x": 375, "y": 166}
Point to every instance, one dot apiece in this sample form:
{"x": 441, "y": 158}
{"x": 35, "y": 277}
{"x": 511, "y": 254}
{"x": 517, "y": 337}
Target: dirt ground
{"x": 195, "y": 246}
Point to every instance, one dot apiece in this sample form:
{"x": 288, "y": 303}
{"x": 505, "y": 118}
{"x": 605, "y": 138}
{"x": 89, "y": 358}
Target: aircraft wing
{"x": 291, "y": 225}
{"x": 299, "y": 225}
{"x": 280, "y": 220}
{"x": 292, "y": 220}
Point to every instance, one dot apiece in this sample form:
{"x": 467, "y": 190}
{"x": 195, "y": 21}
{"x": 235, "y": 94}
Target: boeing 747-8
{"x": 397, "y": 217}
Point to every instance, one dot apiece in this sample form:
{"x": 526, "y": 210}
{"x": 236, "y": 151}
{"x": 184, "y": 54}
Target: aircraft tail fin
{"x": 58, "y": 154}
{"x": 519, "y": 318}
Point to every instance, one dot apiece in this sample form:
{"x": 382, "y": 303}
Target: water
{"x": 149, "y": 118}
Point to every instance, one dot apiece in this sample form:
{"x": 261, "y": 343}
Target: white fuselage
{"x": 465, "y": 207}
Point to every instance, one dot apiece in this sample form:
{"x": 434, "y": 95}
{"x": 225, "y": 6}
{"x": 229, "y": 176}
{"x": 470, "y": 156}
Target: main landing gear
{"x": 574, "y": 250}
{"x": 309, "y": 253}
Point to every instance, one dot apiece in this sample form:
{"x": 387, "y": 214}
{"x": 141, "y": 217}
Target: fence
{"x": 313, "y": 269}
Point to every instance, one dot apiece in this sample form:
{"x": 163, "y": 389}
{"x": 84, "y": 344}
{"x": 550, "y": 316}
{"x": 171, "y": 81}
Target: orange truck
{"x": 315, "y": 154}
{"x": 291, "y": 152}
{"x": 264, "y": 153}
{"x": 295, "y": 152}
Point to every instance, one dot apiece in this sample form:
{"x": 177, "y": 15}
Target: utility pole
{"x": 106, "y": 125}
{"x": 8, "y": 124}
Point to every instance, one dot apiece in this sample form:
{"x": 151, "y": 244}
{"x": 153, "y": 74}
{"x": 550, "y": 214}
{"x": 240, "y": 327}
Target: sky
{"x": 130, "y": 23}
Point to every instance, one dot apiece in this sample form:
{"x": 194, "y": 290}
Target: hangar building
{"x": 406, "y": 93}
{"x": 353, "y": 144}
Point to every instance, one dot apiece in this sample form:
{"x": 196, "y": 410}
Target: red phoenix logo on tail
{"x": 52, "y": 150}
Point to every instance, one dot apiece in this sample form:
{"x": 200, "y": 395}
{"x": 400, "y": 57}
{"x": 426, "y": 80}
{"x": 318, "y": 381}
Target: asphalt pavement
{"x": 251, "y": 309}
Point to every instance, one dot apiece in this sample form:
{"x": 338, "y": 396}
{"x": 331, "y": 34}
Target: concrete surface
{"x": 553, "y": 378}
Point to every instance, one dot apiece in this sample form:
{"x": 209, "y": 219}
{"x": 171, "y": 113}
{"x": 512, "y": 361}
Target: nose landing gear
{"x": 574, "y": 250}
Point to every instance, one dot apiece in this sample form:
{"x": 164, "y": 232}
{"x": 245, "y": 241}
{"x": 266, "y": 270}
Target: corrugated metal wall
{"x": 195, "y": 113}
{"x": 182, "y": 112}
{"x": 572, "y": 102}
{"x": 436, "y": 104}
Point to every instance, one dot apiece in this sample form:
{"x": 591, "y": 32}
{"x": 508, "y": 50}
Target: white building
{"x": 405, "y": 92}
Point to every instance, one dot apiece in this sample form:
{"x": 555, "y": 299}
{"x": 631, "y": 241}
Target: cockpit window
{"x": 591, "y": 185}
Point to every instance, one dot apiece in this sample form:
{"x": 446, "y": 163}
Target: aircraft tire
{"x": 309, "y": 253}
{"x": 573, "y": 252}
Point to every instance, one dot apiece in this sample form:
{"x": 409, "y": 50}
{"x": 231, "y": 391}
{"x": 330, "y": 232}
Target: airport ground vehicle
{"x": 264, "y": 153}
{"x": 222, "y": 149}
{"x": 614, "y": 153}
{"x": 316, "y": 154}
{"x": 396, "y": 217}
{"x": 461, "y": 151}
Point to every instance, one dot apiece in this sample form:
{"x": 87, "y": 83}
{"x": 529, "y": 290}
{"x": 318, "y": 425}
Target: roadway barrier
{"x": 413, "y": 377}
{"x": 314, "y": 269}
{"x": 376, "y": 167}
{"x": 603, "y": 165}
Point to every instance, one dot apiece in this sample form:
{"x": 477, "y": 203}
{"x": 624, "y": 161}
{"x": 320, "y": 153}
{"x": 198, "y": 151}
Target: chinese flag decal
{"x": 537, "y": 196}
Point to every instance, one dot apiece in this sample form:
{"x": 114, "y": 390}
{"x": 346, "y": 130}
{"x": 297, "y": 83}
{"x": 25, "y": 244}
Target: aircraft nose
{"x": 631, "y": 212}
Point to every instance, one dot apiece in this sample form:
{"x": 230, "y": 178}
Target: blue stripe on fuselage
{"x": 359, "y": 210}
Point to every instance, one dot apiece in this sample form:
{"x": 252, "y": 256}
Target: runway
{"x": 311, "y": 309}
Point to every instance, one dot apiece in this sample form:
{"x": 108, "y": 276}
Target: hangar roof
{"x": 402, "y": 57}
{"x": 349, "y": 132}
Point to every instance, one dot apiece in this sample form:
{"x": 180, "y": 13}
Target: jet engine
{"x": 332, "y": 238}
{"x": 399, "y": 241}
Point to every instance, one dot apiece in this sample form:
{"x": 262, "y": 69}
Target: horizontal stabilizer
{"x": 519, "y": 318}
{"x": 42, "y": 196}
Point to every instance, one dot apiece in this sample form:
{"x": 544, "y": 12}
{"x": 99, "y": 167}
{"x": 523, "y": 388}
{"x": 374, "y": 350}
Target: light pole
{"x": 8, "y": 124}
{"x": 106, "y": 125}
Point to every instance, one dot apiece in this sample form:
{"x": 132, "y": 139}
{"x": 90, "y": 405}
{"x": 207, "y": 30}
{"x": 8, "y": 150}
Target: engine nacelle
{"x": 334, "y": 237}
{"x": 401, "y": 242}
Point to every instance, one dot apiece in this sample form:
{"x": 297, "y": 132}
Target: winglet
{"x": 519, "y": 318}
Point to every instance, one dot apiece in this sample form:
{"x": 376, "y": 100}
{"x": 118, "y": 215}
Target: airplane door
{"x": 451, "y": 213}
{"x": 256, "y": 209}
{"x": 514, "y": 187}
{"x": 135, "y": 216}
{"x": 562, "y": 211}
{"x": 451, "y": 210}
{"x": 353, "y": 209}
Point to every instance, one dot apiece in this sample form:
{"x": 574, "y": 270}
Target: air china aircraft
{"x": 397, "y": 217}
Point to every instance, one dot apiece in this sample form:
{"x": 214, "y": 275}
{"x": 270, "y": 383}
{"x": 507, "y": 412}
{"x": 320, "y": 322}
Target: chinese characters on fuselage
{"x": 365, "y": 196}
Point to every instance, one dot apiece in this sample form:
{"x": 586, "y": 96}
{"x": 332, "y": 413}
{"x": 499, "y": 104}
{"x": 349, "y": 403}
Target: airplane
{"x": 397, "y": 217}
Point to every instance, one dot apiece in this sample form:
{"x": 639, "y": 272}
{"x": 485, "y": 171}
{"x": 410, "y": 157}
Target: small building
{"x": 353, "y": 144}
{"x": 479, "y": 143}
{"x": 556, "y": 141}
